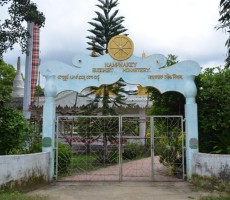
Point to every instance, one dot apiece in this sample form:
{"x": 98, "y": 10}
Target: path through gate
{"x": 115, "y": 148}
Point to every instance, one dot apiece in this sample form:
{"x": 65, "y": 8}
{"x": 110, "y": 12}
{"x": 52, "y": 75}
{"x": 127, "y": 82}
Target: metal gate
{"x": 119, "y": 148}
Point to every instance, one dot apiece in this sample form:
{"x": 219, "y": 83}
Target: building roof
{"x": 72, "y": 99}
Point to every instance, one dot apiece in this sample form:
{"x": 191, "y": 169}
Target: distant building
{"x": 18, "y": 87}
{"x": 70, "y": 103}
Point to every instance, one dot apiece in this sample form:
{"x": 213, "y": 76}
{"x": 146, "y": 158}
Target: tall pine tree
{"x": 105, "y": 26}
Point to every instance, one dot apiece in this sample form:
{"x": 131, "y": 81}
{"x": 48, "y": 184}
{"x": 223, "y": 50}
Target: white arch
{"x": 93, "y": 71}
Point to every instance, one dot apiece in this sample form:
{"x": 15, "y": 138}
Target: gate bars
{"x": 119, "y": 148}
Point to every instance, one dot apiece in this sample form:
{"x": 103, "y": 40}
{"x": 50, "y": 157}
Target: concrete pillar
{"x": 191, "y": 124}
{"x": 142, "y": 126}
{"x": 28, "y": 73}
{"x": 49, "y": 118}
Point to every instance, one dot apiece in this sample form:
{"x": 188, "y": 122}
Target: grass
{"x": 19, "y": 196}
{"x": 215, "y": 198}
{"x": 210, "y": 184}
{"x": 85, "y": 162}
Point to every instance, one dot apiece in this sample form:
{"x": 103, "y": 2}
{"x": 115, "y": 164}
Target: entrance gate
{"x": 86, "y": 71}
{"x": 114, "y": 148}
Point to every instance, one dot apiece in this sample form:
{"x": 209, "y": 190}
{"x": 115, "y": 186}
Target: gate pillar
{"x": 191, "y": 125}
{"x": 142, "y": 126}
{"x": 49, "y": 116}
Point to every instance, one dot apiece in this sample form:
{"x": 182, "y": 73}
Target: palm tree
{"x": 107, "y": 97}
{"x": 106, "y": 25}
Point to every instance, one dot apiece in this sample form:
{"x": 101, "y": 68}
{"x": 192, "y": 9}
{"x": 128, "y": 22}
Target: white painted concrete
{"x": 210, "y": 165}
{"x": 22, "y": 167}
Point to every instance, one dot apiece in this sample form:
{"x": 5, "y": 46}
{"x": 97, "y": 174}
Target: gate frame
{"x": 94, "y": 71}
{"x": 120, "y": 130}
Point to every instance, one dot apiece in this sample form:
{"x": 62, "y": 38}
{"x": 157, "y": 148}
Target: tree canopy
{"x": 105, "y": 26}
{"x": 7, "y": 74}
{"x": 12, "y": 30}
{"x": 107, "y": 97}
{"x": 169, "y": 103}
{"x": 213, "y": 99}
{"x": 225, "y": 24}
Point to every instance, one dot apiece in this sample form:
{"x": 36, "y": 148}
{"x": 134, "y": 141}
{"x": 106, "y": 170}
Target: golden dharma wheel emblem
{"x": 120, "y": 47}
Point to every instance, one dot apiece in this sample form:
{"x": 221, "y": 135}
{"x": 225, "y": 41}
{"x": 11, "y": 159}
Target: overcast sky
{"x": 185, "y": 28}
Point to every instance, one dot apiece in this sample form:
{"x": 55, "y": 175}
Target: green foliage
{"x": 213, "y": 97}
{"x": 225, "y": 24}
{"x": 133, "y": 150}
{"x": 213, "y": 106}
{"x": 169, "y": 103}
{"x": 111, "y": 157}
{"x": 211, "y": 183}
{"x": 36, "y": 145}
{"x": 7, "y": 74}
{"x": 169, "y": 149}
{"x": 222, "y": 144}
{"x": 105, "y": 26}
{"x": 33, "y": 146}
{"x": 64, "y": 158}
{"x": 83, "y": 162}
{"x": 20, "y": 196}
{"x": 171, "y": 60}
{"x": 38, "y": 91}
{"x": 110, "y": 96}
{"x": 12, "y": 31}
{"x": 15, "y": 132}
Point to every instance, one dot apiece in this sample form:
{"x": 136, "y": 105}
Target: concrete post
{"x": 28, "y": 73}
{"x": 142, "y": 126}
{"x": 191, "y": 124}
{"x": 49, "y": 117}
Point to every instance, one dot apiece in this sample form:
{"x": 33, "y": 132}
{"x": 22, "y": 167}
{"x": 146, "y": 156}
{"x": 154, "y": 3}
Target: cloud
{"x": 181, "y": 27}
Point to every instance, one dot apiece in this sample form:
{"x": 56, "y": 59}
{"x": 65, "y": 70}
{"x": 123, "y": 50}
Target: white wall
{"x": 21, "y": 168}
{"x": 210, "y": 165}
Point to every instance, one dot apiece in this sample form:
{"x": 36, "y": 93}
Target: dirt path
{"x": 119, "y": 191}
{"x": 137, "y": 170}
{"x": 136, "y": 185}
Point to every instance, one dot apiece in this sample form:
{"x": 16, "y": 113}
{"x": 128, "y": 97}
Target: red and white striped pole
{"x": 31, "y": 68}
{"x": 35, "y": 62}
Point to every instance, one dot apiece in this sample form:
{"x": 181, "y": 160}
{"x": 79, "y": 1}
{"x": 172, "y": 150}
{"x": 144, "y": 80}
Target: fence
{"x": 211, "y": 165}
{"x": 21, "y": 170}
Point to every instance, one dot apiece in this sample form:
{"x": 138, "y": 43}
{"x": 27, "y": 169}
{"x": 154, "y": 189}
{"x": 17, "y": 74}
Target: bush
{"x": 213, "y": 97}
{"x": 15, "y": 133}
{"x": 36, "y": 145}
{"x": 64, "y": 158}
{"x": 112, "y": 157}
{"x": 169, "y": 149}
{"x": 133, "y": 150}
{"x": 222, "y": 144}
